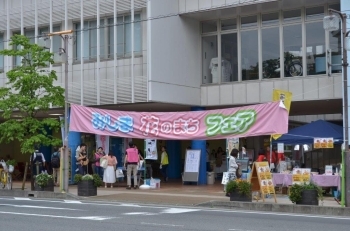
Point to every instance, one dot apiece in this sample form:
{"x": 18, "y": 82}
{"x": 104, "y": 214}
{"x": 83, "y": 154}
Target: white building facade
{"x": 163, "y": 55}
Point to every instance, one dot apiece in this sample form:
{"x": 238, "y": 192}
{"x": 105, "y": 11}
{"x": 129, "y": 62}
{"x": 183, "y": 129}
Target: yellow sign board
{"x": 261, "y": 179}
{"x": 301, "y": 176}
{"x": 323, "y": 143}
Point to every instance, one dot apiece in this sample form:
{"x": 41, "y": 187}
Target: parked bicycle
{"x": 292, "y": 67}
{"x": 6, "y": 175}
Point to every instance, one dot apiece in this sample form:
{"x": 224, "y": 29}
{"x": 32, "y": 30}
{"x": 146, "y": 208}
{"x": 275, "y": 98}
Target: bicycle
{"x": 5, "y": 177}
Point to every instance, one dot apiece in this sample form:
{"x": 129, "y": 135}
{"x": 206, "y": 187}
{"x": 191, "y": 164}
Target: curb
{"x": 283, "y": 208}
{"x": 37, "y": 194}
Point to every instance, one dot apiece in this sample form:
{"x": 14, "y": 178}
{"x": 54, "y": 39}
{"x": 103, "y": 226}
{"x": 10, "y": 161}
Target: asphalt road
{"x": 37, "y": 215}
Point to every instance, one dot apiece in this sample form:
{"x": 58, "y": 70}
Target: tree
{"x": 29, "y": 92}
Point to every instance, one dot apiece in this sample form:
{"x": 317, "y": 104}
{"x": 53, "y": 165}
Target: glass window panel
{"x": 209, "y": 26}
{"x": 229, "y": 67}
{"x": 270, "y": 19}
{"x": 270, "y": 52}
{"x": 229, "y": 24}
{"x": 137, "y": 34}
{"x": 102, "y": 39}
{"x": 210, "y": 59}
{"x": 86, "y": 41}
{"x": 315, "y": 48}
{"x": 120, "y": 36}
{"x": 93, "y": 39}
{"x": 250, "y": 21}
{"x": 336, "y": 48}
{"x": 250, "y": 60}
{"x": 334, "y": 7}
{"x": 57, "y": 40}
{"x": 31, "y": 35}
{"x": 292, "y": 38}
{"x": 292, "y": 15}
{"x": 1, "y": 48}
{"x": 315, "y": 13}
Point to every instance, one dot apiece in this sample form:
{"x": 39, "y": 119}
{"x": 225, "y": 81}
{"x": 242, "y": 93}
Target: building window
{"x": 124, "y": 36}
{"x": 229, "y": 53}
{"x": 270, "y": 45}
{"x": 90, "y": 40}
{"x": 1, "y": 48}
{"x": 56, "y": 43}
{"x": 249, "y": 49}
{"x": 107, "y": 38}
{"x": 292, "y": 40}
{"x": 210, "y": 59}
{"x": 315, "y": 48}
{"x": 335, "y": 45}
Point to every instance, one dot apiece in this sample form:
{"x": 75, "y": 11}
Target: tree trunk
{"x": 25, "y": 175}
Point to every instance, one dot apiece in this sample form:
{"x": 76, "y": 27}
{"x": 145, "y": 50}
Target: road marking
{"x": 39, "y": 207}
{"x": 22, "y": 198}
{"x": 179, "y": 210}
{"x": 141, "y": 213}
{"x": 66, "y": 217}
{"x": 156, "y": 224}
{"x": 72, "y": 202}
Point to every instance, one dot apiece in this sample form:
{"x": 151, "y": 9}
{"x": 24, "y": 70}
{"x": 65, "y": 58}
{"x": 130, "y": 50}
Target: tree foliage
{"x": 29, "y": 93}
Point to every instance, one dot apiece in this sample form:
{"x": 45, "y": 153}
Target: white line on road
{"x": 22, "y": 198}
{"x": 66, "y": 217}
{"x": 156, "y": 224}
{"x": 38, "y": 207}
{"x": 72, "y": 202}
{"x": 179, "y": 210}
{"x": 140, "y": 213}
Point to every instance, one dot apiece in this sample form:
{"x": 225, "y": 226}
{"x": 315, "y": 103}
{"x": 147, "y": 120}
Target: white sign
{"x": 151, "y": 149}
{"x": 280, "y": 147}
{"x": 232, "y": 143}
{"x": 102, "y": 141}
{"x": 225, "y": 178}
{"x": 329, "y": 170}
{"x": 192, "y": 160}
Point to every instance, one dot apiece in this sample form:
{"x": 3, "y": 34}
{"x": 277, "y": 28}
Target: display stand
{"x": 192, "y": 163}
{"x": 261, "y": 180}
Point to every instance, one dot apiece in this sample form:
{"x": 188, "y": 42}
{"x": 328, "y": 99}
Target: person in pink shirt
{"x": 98, "y": 155}
{"x": 109, "y": 173}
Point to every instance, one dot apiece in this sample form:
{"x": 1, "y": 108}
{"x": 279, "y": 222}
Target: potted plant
{"x": 305, "y": 194}
{"x": 11, "y": 165}
{"x": 44, "y": 182}
{"x": 239, "y": 190}
{"x": 87, "y": 184}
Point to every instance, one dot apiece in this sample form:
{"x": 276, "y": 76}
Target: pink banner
{"x": 256, "y": 120}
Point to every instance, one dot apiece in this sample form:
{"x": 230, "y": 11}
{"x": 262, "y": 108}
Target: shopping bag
{"x": 103, "y": 163}
{"x": 119, "y": 173}
{"x": 140, "y": 165}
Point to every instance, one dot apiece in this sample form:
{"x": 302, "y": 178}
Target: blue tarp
{"x": 318, "y": 129}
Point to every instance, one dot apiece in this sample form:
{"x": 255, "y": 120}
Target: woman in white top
{"x": 233, "y": 166}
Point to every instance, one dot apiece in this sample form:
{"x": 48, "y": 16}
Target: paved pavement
{"x": 172, "y": 193}
{"x": 72, "y": 215}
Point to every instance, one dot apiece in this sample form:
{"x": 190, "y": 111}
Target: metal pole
{"x": 66, "y": 151}
{"x": 346, "y": 115}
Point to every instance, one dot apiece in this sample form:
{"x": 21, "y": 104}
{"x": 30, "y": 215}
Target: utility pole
{"x": 331, "y": 23}
{"x": 64, "y": 171}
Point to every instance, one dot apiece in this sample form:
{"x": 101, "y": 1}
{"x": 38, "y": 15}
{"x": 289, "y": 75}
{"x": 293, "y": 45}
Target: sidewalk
{"x": 173, "y": 193}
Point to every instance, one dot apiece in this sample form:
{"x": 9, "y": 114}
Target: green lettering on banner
{"x": 238, "y": 123}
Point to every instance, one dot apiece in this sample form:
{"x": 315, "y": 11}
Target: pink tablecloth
{"x": 320, "y": 180}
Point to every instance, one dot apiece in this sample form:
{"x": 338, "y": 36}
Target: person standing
{"x": 55, "y": 164}
{"x": 109, "y": 173}
{"x": 261, "y": 156}
{"x": 131, "y": 160}
{"x": 98, "y": 169}
{"x": 37, "y": 159}
{"x": 164, "y": 162}
{"x": 82, "y": 159}
{"x": 233, "y": 166}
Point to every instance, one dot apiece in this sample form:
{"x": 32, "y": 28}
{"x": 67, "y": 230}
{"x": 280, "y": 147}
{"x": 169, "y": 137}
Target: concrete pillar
{"x": 201, "y": 144}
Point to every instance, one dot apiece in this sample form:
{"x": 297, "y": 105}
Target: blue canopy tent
{"x": 305, "y": 134}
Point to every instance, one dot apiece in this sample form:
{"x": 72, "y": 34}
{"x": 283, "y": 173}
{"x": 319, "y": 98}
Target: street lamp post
{"x": 64, "y": 173}
{"x": 331, "y": 23}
